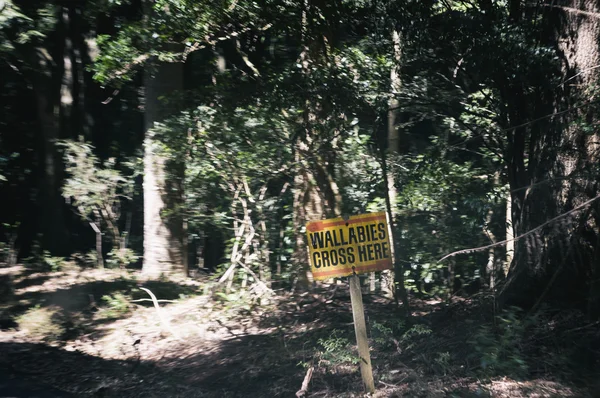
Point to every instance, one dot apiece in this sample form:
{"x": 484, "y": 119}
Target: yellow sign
{"x": 341, "y": 247}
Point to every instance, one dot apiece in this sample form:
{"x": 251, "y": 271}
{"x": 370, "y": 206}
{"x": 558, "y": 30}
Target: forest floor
{"x": 78, "y": 333}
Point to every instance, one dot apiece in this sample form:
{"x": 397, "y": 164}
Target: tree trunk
{"x": 316, "y": 194}
{"x": 393, "y": 141}
{"x": 510, "y": 246}
{"x": 99, "y": 256}
{"x": 561, "y": 157}
{"x": 47, "y": 88}
{"x": 163, "y": 180}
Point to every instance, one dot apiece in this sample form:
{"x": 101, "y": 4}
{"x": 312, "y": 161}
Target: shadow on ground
{"x": 431, "y": 356}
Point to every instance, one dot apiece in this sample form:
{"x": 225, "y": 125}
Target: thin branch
{"x": 245, "y": 58}
{"x": 158, "y": 301}
{"x": 478, "y": 249}
{"x": 163, "y": 320}
{"x": 110, "y": 98}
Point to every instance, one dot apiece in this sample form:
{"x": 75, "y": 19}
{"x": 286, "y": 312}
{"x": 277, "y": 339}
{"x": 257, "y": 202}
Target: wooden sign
{"x": 347, "y": 247}
{"x": 341, "y": 247}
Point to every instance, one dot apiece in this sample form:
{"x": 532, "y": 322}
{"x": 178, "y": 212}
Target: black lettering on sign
{"x": 316, "y": 238}
{"x": 372, "y": 232}
{"x": 333, "y": 257}
{"x": 325, "y": 258}
{"x": 328, "y": 239}
{"x": 351, "y": 258}
{"x": 336, "y": 242}
{"x": 381, "y": 228}
{"x": 317, "y": 260}
{"x": 378, "y": 252}
{"x": 385, "y": 250}
{"x": 352, "y": 236}
{"x": 360, "y": 230}
{"x": 342, "y": 238}
{"x": 362, "y": 254}
{"x": 342, "y": 253}
{"x": 370, "y": 252}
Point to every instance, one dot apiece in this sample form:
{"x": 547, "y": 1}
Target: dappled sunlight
{"x": 257, "y": 199}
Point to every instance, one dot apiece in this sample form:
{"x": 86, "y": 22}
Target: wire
{"x": 477, "y": 249}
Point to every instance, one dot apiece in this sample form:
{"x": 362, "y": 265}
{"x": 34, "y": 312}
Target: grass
{"x": 43, "y": 323}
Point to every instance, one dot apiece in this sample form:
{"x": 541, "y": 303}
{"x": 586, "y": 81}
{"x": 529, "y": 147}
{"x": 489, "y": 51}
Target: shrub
{"x": 499, "y": 349}
{"x": 52, "y": 262}
{"x": 336, "y": 350}
{"x": 117, "y": 304}
{"x": 121, "y": 258}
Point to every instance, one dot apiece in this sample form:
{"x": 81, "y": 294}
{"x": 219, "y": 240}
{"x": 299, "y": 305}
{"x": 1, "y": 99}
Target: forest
{"x": 160, "y": 161}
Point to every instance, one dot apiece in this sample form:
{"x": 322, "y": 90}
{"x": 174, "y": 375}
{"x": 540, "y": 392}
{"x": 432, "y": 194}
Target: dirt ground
{"x": 86, "y": 334}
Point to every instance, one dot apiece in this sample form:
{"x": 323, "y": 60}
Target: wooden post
{"x": 360, "y": 327}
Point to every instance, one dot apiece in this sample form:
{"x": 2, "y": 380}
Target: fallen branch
{"x": 158, "y": 301}
{"x": 388, "y": 385}
{"x": 163, "y": 320}
{"x": 304, "y": 389}
{"x": 502, "y": 243}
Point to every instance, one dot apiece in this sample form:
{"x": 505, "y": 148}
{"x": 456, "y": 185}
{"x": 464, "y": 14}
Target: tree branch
{"x": 163, "y": 320}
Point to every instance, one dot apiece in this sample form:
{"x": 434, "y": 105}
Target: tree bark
{"x": 316, "y": 194}
{"x": 163, "y": 192}
{"x": 47, "y": 87}
{"x": 393, "y": 141}
{"x": 561, "y": 156}
{"x": 510, "y": 246}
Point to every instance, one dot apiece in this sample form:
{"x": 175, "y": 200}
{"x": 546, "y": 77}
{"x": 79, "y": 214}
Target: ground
{"x": 81, "y": 333}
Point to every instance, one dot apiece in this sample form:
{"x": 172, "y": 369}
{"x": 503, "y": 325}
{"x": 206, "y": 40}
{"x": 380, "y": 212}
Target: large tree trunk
{"x": 562, "y": 156}
{"x": 47, "y": 84}
{"x": 163, "y": 185}
{"x": 316, "y": 195}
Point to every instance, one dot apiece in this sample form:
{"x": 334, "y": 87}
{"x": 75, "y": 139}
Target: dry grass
{"x": 45, "y": 324}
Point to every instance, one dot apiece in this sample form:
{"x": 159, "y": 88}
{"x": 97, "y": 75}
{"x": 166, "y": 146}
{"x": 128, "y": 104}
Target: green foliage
{"x": 116, "y": 54}
{"x": 53, "y": 263}
{"x": 381, "y": 334}
{"x": 335, "y": 350}
{"x": 87, "y": 259}
{"x": 237, "y": 302}
{"x": 391, "y": 334}
{"x": 121, "y": 258}
{"x": 499, "y": 349}
{"x": 442, "y": 362}
{"x": 97, "y": 192}
{"x": 324, "y": 74}
{"x": 94, "y": 188}
{"x": 16, "y": 28}
{"x": 117, "y": 305}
